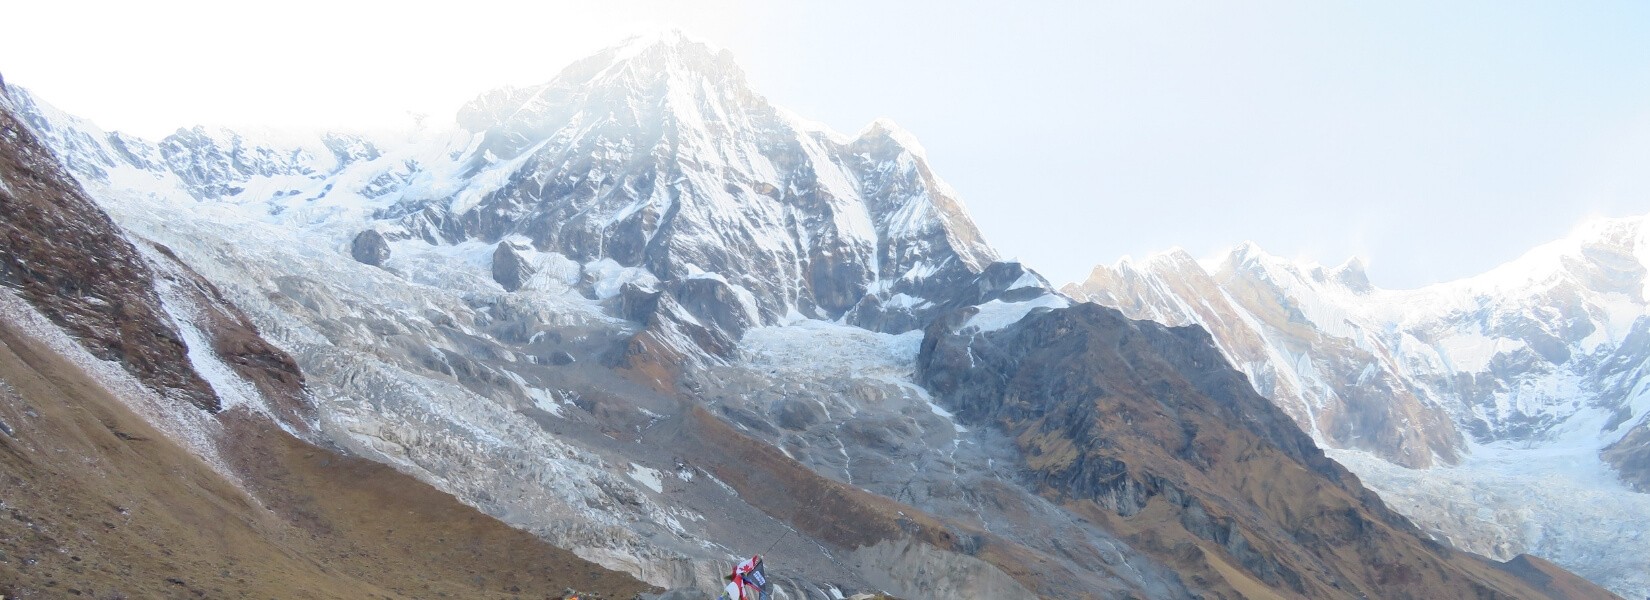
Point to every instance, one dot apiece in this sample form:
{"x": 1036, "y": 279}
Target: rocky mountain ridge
{"x": 1534, "y": 369}
{"x": 1148, "y": 429}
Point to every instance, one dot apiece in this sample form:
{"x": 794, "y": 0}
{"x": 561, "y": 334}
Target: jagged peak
{"x": 640, "y": 71}
{"x": 805, "y": 125}
{"x": 1246, "y": 255}
{"x": 884, "y": 127}
{"x": 1556, "y": 260}
{"x": 1248, "y": 248}
{"x": 664, "y": 51}
{"x": 1174, "y": 258}
{"x": 1353, "y": 263}
{"x": 1353, "y": 274}
{"x": 1249, "y": 257}
{"x": 670, "y": 39}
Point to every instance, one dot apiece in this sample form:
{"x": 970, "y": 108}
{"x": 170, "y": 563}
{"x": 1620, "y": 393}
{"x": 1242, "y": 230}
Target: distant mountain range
{"x": 1529, "y": 376}
{"x": 650, "y": 318}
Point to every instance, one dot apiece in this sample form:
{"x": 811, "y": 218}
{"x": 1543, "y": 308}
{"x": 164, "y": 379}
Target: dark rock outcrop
{"x": 715, "y": 304}
{"x": 1630, "y": 456}
{"x": 671, "y": 340}
{"x": 1005, "y": 281}
{"x": 798, "y": 415}
{"x": 370, "y": 247}
{"x": 510, "y": 268}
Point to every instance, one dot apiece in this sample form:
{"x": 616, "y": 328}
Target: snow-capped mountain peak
{"x": 886, "y": 127}
{"x": 653, "y": 156}
{"x": 632, "y": 77}
{"x": 1530, "y": 372}
{"x": 1353, "y": 274}
{"x": 1601, "y": 254}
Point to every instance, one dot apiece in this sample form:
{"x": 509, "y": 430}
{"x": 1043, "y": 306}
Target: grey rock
{"x": 799, "y": 415}
{"x": 510, "y": 268}
{"x": 370, "y": 247}
{"x": 714, "y": 302}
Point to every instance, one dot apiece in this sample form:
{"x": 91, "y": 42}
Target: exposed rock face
{"x": 1513, "y": 355}
{"x": 716, "y": 303}
{"x": 672, "y": 340}
{"x": 510, "y": 269}
{"x": 1149, "y": 428}
{"x": 370, "y": 247}
{"x": 705, "y": 176}
{"x": 1256, "y": 321}
{"x": 1631, "y": 457}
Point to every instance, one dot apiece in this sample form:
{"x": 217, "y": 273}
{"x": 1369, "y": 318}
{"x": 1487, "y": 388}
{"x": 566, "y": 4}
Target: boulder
{"x": 370, "y": 248}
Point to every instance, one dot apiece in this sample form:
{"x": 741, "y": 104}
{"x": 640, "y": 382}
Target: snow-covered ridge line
{"x": 797, "y": 218}
{"x": 1540, "y": 361}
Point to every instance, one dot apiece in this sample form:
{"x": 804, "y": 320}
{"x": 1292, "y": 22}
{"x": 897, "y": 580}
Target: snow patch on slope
{"x": 648, "y": 477}
{"x": 997, "y": 314}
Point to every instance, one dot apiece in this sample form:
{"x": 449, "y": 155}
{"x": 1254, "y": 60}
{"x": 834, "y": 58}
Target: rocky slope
{"x": 101, "y": 503}
{"x": 1148, "y": 430}
{"x": 147, "y": 439}
{"x": 1525, "y": 378}
{"x": 646, "y": 316}
{"x": 52, "y": 234}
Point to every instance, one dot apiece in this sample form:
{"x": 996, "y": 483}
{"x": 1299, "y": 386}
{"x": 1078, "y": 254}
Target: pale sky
{"x": 1435, "y": 140}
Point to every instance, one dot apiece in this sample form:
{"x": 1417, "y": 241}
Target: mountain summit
{"x": 657, "y": 155}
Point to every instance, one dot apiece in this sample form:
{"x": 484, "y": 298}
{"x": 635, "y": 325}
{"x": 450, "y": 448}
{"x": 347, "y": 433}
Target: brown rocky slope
{"x": 1148, "y": 430}
{"x": 97, "y": 501}
{"x": 64, "y": 255}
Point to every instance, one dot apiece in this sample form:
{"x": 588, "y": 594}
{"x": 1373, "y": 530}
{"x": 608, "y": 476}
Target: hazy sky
{"x": 1434, "y": 139}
